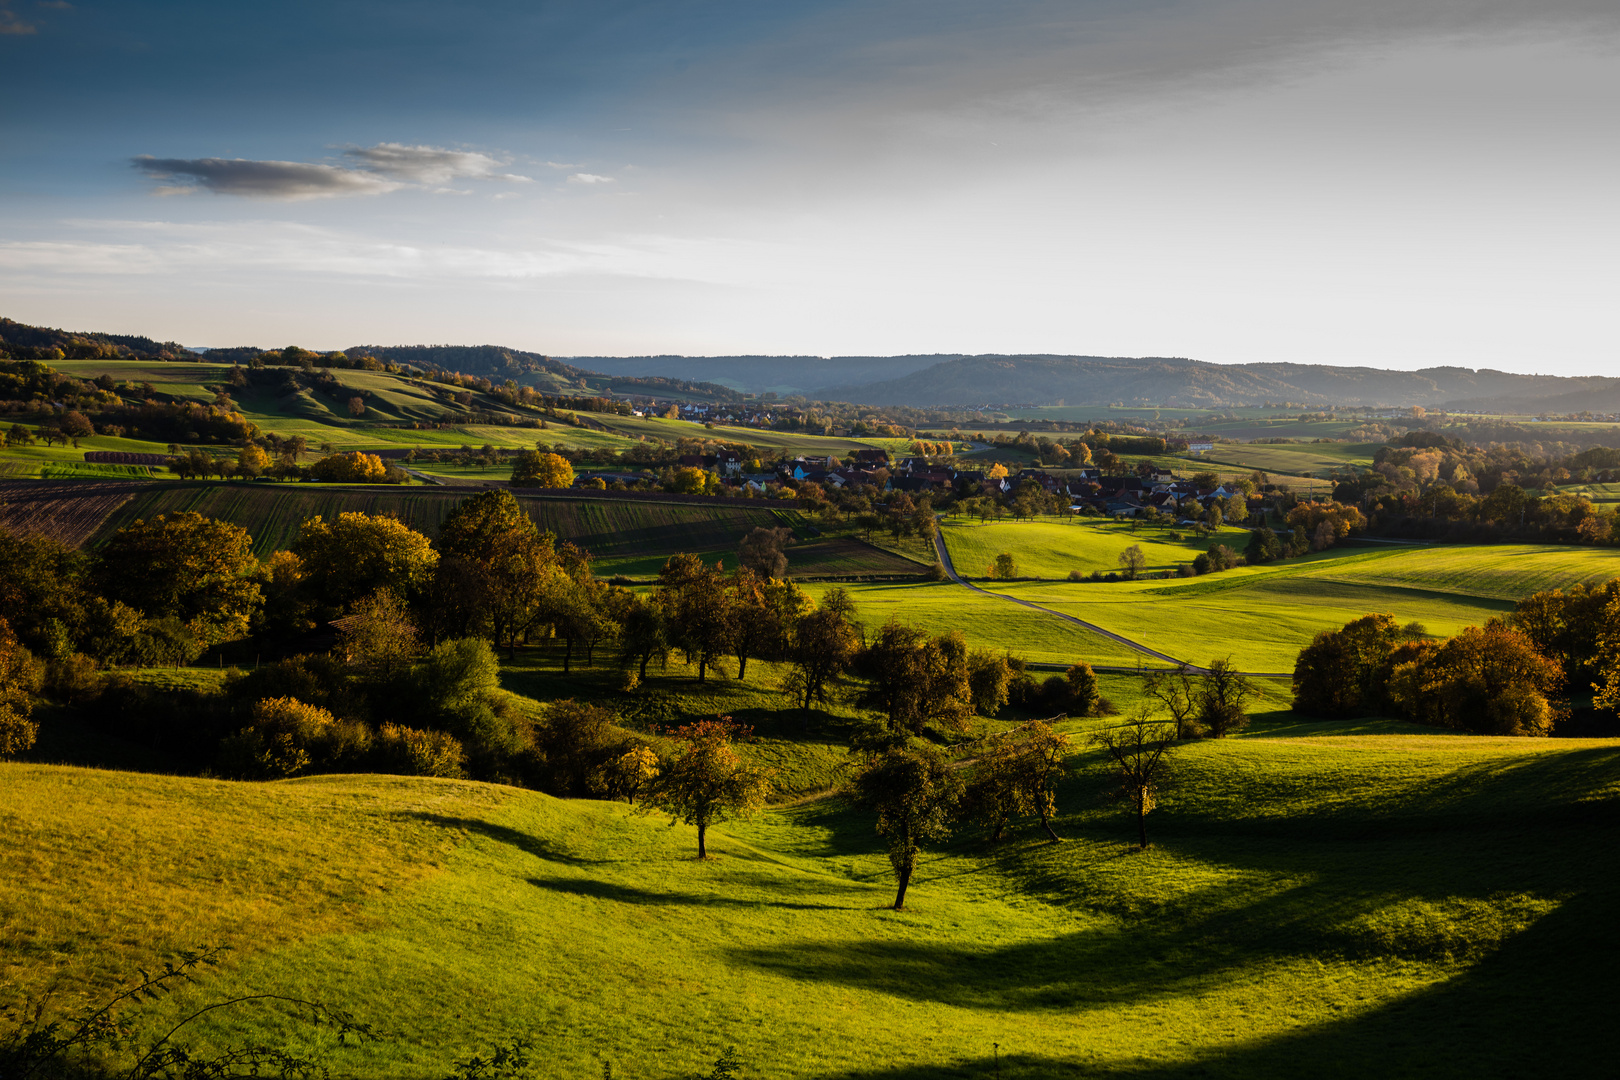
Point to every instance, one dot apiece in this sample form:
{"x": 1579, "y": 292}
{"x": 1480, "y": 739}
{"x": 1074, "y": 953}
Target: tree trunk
{"x": 703, "y": 852}
{"x": 1001, "y": 827}
{"x": 703, "y": 666}
{"x": 900, "y": 897}
{"x": 1046, "y": 824}
{"x": 742, "y": 665}
{"x": 645, "y": 659}
{"x": 1141, "y": 819}
{"x": 568, "y": 653}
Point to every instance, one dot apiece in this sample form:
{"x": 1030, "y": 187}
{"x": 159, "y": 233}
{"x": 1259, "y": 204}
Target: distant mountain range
{"x": 950, "y": 380}
{"x": 1170, "y": 382}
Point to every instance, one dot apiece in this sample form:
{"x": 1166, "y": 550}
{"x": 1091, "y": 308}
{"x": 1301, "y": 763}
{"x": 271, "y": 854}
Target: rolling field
{"x": 986, "y": 622}
{"x": 1051, "y": 549}
{"x": 1311, "y": 459}
{"x": 1320, "y": 900}
{"x": 628, "y": 538}
{"x": 1262, "y": 616}
{"x": 67, "y": 512}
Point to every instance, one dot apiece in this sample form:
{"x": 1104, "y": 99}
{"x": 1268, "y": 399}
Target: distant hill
{"x": 42, "y": 343}
{"x": 1177, "y": 382}
{"x": 808, "y": 375}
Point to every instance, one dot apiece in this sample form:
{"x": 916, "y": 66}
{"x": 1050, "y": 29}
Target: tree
{"x": 697, "y": 609}
{"x": 251, "y": 461}
{"x": 915, "y": 680}
{"x": 508, "y": 570}
{"x": 1132, "y": 559}
{"x": 1137, "y": 759}
{"x": 1488, "y": 679}
{"x": 1084, "y": 693}
{"x": 764, "y": 610}
{"x": 915, "y": 794}
{"x": 989, "y": 676}
{"x": 1222, "y": 694}
{"x": 379, "y": 638}
{"x": 822, "y": 645}
{"x": 75, "y": 425}
{"x": 533, "y": 469}
{"x": 706, "y": 783}
{"x": 762, "y": 551}
{"x": 642, "y": 634}
{"x": 17, "y": 435}
{"x": 356, "y": 555}
{"x": 17, "y": 727}
{"x": 1005, "y": 568}
{"x": 1341, "y": 672}
{"x": 1263, "y": 547}
{"x": 1015, "y": 774}
{"x": 357, "y": 407}
{"x": 351, "y": 468}
{"x": 1174, "y": 689}
{"x": 188, "y": 567}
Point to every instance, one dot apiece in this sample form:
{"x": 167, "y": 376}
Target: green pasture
{"x": 1320, "y": 900}
{"x": 986, "y": 621}
{"x": 1046, "y": 548}
{"x": 1262, "y": 616}
{"x": 64, "y": 462}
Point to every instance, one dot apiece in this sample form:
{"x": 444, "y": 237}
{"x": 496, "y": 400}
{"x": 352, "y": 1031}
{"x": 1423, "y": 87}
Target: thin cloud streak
{"x": 290, "y": 180}
{"x": 172, "y": 248}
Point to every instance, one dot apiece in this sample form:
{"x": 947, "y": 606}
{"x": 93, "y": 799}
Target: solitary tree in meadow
{"x": 1135, "y": 754}
{"x": 705, "y": 782}
{"x": 915, "y": 794}
{"x": 1222, "y": 697}
{"x": 1132, "y": 559}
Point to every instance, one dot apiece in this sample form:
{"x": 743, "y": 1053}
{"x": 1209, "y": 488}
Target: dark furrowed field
{"x": 629, "y": 538}
{"x": 68, "y": 512}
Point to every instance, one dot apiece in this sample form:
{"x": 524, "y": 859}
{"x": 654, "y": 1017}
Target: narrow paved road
{"x": 945, "y": 560}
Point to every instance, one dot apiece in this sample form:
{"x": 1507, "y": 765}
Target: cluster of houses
{"x": 1084, "y": 489}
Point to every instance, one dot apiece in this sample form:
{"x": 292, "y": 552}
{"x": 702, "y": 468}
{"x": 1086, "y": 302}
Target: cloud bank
{"x": 381, "y": 169}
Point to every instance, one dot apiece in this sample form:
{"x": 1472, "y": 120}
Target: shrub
{"x": 414, "y": 752}
{"x": 286, "y": 737}
{"x": 1077, "y": 575}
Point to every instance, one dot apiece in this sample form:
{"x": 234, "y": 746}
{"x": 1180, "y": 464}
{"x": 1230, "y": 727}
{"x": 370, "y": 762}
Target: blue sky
{"x": 1391, "y": 183}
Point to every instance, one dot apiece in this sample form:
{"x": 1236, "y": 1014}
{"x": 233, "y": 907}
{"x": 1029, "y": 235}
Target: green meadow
{"x": 1047, "y": 548}
{"x": 1262, "y": 616}
{"x": 1319, "y": 900}
{"x": 1310, "y": 459}
{"x": 986, "y": 621}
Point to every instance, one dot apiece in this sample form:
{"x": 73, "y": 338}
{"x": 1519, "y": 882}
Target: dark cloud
{"x": 261, "y": 179}
{"x": 429, "y": 164}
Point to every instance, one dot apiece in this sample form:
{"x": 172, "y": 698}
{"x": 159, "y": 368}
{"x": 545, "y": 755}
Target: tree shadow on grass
{"x": 1539, "y": 1007}
{"x": 523, "y": 841}
{"x": 627, "y": 894}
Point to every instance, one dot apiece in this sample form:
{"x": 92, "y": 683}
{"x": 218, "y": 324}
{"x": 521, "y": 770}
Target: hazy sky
{"x": 1399, "y": 183}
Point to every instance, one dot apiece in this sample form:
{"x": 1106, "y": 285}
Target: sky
{"x": 1395, "y": 183}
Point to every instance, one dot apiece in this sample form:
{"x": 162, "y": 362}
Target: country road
{"x": 945, "y": 560}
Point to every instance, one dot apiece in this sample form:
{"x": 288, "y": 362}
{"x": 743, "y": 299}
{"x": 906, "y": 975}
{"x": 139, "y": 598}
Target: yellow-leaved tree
{"x": 705, "y": 782}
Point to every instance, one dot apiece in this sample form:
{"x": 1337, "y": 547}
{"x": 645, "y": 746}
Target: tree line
{"x": 1518, "y": 674}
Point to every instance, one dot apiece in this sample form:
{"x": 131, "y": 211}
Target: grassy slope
{"x": 1315, "y": 904}
{"x": 1263, "y": 616}
{"x": 1050, "y": 549}
{"x": 987, "y": 622}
